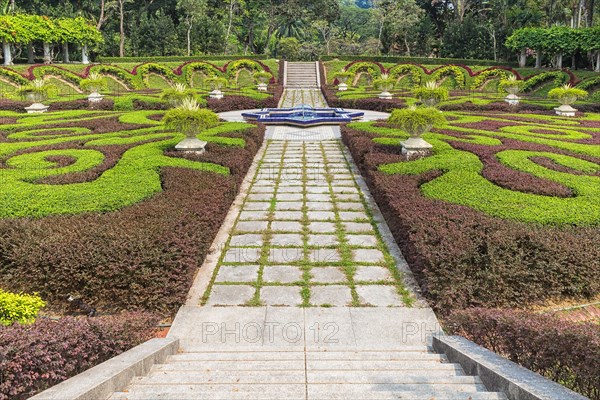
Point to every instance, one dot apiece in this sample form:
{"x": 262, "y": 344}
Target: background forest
{"x": 308, "y": 29}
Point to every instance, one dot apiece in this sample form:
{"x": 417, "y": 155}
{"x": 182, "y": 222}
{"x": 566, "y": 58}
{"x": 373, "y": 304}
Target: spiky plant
{"x": 431, "y": 94}
{"x": 177, "y": 94}
{"x": 511, "y": 85}
{"x": 567, "y": 94}
{"x": 384, "y": 83}
{"x": 262, "y": 76}
{"x": 37, "y": 91}
{"x": 216, "y": 83}
{"x": 416, "y": 120}
{"x": 94, "y": 83}
{"x": 343, "y": 76}
{"x": 189, "y": 118}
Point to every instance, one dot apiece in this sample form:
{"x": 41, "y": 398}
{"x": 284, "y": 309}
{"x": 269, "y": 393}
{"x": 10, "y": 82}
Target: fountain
{"x": 303, "y": 116}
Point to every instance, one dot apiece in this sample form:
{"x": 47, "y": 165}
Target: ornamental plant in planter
{"x": 566, "y": 96}
{"x": 431, "y": 94}
{"x": 216, "y": 84}
{"x": 191, "y": 120}
{"x": 416, "y": 121}
{"x": 262, "y": 78}
{"x": 342, "y": 77}
{"x": 176, "y": 95}
{"x": 37, "y": 91}
{"x": 385, "y": 84}
{"x": 512, "y": 86}
{"x": 94, "y": 84}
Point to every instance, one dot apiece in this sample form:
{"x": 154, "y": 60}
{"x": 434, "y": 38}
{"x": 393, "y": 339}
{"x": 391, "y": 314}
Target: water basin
{"x": 303, "y": 116}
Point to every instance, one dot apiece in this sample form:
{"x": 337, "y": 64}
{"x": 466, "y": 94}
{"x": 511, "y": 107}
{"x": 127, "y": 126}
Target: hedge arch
{"x": 188, "y": 70}
{"x": 446, "y": 71}
{"x": 536, "y": 81}
{"x": 488, "y": 75}
{"x": 399, "y": 71}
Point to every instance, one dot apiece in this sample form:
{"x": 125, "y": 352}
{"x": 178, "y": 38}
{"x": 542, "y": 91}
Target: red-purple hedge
{"x": 564, "y": 351}
{"x": 233, "y": 103}
{"x": 143, "y": 257}
{"x": 36, "y": 357}
{"x": 462, "y": 257}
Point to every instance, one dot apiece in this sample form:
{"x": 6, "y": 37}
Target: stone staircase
{"x": 301, "y": 75}
{"x": 405, "y": 373}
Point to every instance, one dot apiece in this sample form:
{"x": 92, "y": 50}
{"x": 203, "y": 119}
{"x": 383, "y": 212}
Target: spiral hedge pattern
{"x": 531, "y": 168}
{"x": 81, "y": 161}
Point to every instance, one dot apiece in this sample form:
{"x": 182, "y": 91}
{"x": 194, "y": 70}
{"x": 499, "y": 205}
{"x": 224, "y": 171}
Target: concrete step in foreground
{"x": 414, "y": 373}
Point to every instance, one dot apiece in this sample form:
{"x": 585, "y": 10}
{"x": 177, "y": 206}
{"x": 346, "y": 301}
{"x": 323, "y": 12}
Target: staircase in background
{"x": 301, "y": 75}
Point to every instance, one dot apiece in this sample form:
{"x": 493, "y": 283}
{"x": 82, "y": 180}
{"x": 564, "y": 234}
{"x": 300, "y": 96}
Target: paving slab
{"x": 280, "y": 295}
{"x": 334, "y": 295}
{"x": 244, "y": 273}
{"x": 379, "y": 296}
{"x": 328, "y": 275}
{"x": 281, "y": 274}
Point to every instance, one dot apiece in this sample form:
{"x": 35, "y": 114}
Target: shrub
{"x": 567, "y": 94}
{"x": 190, "y": 119}
{"x": 416, "y": 120}
{"x": 384, "y": 83}
{"x": 216, "y": 83}
{"x": 263, "y": 76}
{"x": 37, "y": 90}
{"x": 34, "y": 358}
{"x": 232, "y": 102}
{"x": 511, "y": 85}
{"x": 566, "y": 352}
{"x": 174, "y": 96}
{"x": 94, "y": 83}
{"x": 21, "y": 308}
{"x": 431, "y": 94}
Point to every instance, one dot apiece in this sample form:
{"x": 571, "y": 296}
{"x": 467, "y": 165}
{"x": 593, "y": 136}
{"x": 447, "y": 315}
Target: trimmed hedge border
{"x": 564, "y": 351}
{"x": 462, "y": 257}
{"x": 36, "y": 357}
{"x": 419, "y": 60}
{"x": 179, "y": 58}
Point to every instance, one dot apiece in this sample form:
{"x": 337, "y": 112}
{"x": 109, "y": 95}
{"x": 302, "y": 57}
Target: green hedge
{"x": 177, "y": 58}
{"x": 420, "y": 60}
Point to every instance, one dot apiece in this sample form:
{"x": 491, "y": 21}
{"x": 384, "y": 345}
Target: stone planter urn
{"x": 416, "y": 121}
{"x": 385, "y": 91}
{"x": 342, "y": 77}
{"x": 385, "y": 84}
{"x": 95, "y": 97}
{"x": 216, "y": 94}
{"x": 512, "y": 99}
{"x": 566, "y": 95}
{"x": 262, "y": 87}
{"x": 190, "y": 144}
{"x": 37, "y": 107}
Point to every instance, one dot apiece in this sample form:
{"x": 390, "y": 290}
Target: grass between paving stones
{"x": 305, "y": 264}
{"x": 389, "y": 261}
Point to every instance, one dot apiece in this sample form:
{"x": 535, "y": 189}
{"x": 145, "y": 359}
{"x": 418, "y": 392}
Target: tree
{"x": 193, "y": 10}
{"x": 327, "y": 32}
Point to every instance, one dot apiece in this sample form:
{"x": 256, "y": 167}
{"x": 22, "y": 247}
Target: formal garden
{"x": 104, "y": 223}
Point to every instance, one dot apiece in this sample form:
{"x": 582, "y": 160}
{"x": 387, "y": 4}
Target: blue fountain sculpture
{"x": 303, "y": 116}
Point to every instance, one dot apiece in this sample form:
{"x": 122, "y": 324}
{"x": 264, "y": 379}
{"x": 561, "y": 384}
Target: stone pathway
{"x": 298, "y": 97}
{"x": 305, "y": 237}
{"x": 305, "y": 294}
